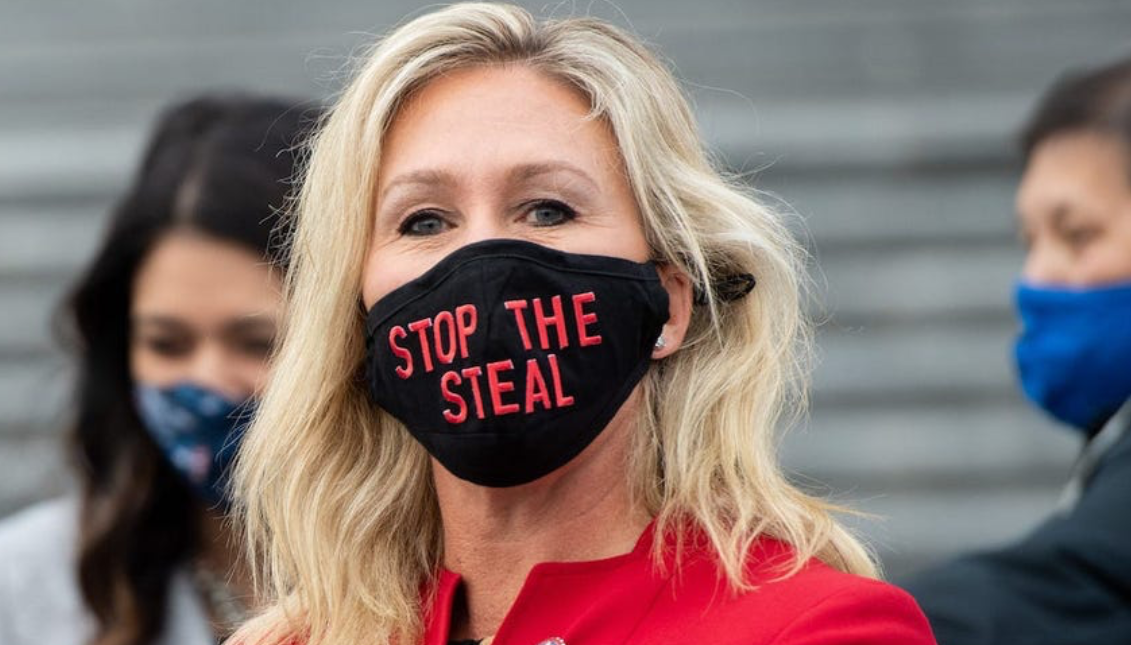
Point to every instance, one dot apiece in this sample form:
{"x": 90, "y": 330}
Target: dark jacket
{"x": 1068, "y": 582}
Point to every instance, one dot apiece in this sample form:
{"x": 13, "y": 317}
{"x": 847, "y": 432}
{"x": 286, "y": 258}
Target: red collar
{"x": 566, "y": 596}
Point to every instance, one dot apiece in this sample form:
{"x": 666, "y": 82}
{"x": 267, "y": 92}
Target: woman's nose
{"x": 485, "y": 224}
{"x": 1047, "y": 264}
{"x": 213, "y": 368}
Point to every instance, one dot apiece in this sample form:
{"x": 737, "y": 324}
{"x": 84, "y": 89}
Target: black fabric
{"x": 1067, "y": 583}
{"x": 496, "y": 405}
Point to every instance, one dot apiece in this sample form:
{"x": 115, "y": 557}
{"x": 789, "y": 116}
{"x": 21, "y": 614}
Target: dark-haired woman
{"x": 172, "y": 324}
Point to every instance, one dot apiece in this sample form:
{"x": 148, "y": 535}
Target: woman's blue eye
{"x": 423, "y": 223}
{"x": 550, "y": 213}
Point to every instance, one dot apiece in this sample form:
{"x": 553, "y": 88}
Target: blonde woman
{"x": 552, "y": 417}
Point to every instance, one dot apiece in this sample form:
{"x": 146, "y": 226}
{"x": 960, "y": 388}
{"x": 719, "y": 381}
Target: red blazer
{"x": 626, "y": 600}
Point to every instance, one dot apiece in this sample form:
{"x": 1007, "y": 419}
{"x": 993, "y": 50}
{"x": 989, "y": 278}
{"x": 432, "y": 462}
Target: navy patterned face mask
{"x": 198, "y": 431}
{"x": 507, "y": 359}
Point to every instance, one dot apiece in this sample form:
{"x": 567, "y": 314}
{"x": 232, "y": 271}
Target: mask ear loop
{"x": 728, "y": 289}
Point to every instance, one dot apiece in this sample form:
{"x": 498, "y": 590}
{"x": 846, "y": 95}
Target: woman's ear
{"x": 680, "y": 293}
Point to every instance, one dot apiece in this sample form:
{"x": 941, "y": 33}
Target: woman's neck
{"x": 493, "y": 536}
{"x": 222, "y": 555}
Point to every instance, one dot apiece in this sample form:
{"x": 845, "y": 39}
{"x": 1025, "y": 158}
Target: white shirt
{"x": 40, "y": 602}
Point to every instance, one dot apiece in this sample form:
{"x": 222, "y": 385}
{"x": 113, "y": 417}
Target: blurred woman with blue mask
{"x": 1074, "y": 298}
{"x": 1070, "y": 580}
{"x": 172, "y": 325}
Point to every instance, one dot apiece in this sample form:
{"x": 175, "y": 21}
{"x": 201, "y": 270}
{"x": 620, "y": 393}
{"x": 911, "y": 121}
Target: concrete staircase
{"x": 884, "y": 124}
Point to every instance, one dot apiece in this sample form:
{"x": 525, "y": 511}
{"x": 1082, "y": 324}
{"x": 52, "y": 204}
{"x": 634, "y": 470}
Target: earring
{"x": 661, "y": 343}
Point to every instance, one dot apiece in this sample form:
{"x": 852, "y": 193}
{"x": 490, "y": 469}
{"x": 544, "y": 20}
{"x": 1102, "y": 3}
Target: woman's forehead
{"x": 1075, "y": 170}
{"x": 498, "y": 120}
{"x": 191, "y": 276}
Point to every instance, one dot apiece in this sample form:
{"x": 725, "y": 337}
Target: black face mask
{"x": 507, "y": 358}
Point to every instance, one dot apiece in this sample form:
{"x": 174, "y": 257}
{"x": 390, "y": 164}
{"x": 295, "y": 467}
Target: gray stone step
{"x": 942, "y": 363}
{"x": 918, "y": 446}
{"x": 914, "y": 528}
{"x": 870, "y": 210}
{"x": 34, "y": 468}
{"x": 34, "y": 394}
{"x": 52, "y": 242}
{"x": 28, "y": 307}
{"x": 925, "y": 284}
{"x": 66, "y": 161}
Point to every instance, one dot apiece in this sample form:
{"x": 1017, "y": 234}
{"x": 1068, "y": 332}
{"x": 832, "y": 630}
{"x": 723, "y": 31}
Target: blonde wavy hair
{"x": 337, "y": 498}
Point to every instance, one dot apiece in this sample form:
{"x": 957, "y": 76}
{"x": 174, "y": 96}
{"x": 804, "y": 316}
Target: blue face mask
{"x": 1074, "y": 351}
{"x": 198, "y": 430}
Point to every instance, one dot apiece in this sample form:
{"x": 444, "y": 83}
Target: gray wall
{"x": 885, "y": 124}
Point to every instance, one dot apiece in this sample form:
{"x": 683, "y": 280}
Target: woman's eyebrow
{"x": 519, "y": 173}
{"x": 417, "y": 178}
{"x": 253, "y": 323}
{"x": 157, "y": 320}
{"x": 527, "y": 172}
